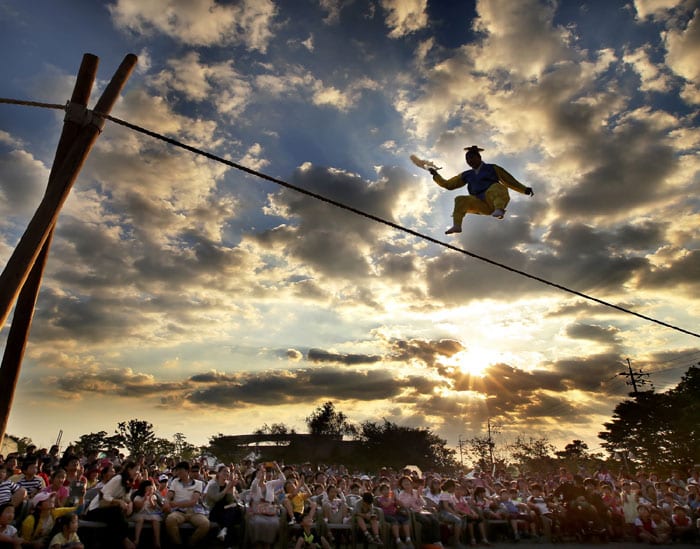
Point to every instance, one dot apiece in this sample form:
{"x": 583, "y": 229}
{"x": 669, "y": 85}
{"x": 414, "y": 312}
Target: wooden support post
{"x": 24, "y": 309}
{"x": 23, "y": 273}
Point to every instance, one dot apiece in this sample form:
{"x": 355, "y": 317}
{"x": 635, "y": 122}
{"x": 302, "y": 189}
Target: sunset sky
{"x": 205, "y": 300}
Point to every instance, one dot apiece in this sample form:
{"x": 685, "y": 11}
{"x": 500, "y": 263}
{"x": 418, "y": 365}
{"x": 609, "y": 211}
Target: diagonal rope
{"x": 362, "y": 213}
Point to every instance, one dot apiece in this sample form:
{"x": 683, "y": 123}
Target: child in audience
{"x": 8, "y": 533}
{"x": 67, "y": 536}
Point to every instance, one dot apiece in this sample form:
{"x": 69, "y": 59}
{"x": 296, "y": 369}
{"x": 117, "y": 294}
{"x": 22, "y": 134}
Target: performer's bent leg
{"x": 463, "y": 206}
{"x": 497, "y": 197}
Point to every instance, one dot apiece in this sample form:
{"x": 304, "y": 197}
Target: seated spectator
{"x": 146, "y": 507}
{"x": 469, "y": 516}
{"x": 12, "y": 465}
{"x": 398, "y": 519}
{"x": 28, "y": 479}
{"x": 645, "y": 527}
{"x": 367, "y": 518}
{"x": 113, "y": 506}
{"x": 10, "y": 492}
{"x": 163, "y": 481}
{"x": 611, "y": 499}
{"x": 67, "y": 535}
{"x": 296, "y": 496}
{"x": 516, "y": 513}
{"x": 431, "y": 495}
{"x": 184, "y": 505}
{"x": 663, "y": 526}
{"x": 58, "y": 488}
{"x": 447, "y": 512}
{"x": 353, "y": 495}
{"x": 682, "y": 525}
{"x": 409, "y": 498}
{"x": 92, "y": 476}
{"x": 8, "y": 533}
{"x": 308, "y": 537}
{"x": 37, "y": 527}
{"x": 221, "y": 497}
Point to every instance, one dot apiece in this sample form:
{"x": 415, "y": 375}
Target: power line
{"x": 357, "y": 211}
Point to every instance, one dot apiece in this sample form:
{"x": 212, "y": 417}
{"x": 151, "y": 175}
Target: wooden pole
{"x": 24, "y": 309}
{"x": 23, "y": 273}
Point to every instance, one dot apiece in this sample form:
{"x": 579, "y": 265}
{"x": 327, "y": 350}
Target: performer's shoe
{"x": 454, "y": 229}
{"x": 498, "y": 213}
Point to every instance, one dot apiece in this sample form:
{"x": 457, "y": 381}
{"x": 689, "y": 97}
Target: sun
{"x": 474, "y": 362}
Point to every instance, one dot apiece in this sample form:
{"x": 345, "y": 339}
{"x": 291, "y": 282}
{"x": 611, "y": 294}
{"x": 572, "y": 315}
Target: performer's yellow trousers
{"x": 496, "y": 197}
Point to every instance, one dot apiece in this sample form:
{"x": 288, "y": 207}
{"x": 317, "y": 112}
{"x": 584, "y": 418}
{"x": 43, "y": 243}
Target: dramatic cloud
{"x": 405, "y": 16}
{"x": 202, "y": 22}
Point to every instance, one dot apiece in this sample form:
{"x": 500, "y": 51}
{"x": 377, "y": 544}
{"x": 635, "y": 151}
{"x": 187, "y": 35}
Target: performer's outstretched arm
{"x": 509, "y": 181}
{"x": 450, "y": 184}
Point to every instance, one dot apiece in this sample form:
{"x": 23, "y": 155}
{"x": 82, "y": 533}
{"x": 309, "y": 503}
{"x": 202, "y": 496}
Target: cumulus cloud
{"x": 325, "y": 246}
{"x": 684, "y": 49}
{"x": 301, "y": 84}
{"x": 405, "y": 16}
{"x": 23, "y": 180}
{"x": 201, "y": 22}
{"x": 217, "y": 83}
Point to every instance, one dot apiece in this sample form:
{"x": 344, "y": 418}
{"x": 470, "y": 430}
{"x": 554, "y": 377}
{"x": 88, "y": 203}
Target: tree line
{"x": 647, "y": 430}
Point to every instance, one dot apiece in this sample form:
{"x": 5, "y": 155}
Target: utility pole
{"x": 491, "y": 445}
{"x": 460, "y": 443}
{"x": 635, "y": 378}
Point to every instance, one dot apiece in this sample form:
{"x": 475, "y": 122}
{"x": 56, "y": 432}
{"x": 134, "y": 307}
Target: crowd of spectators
{"x": 43, "y": 494}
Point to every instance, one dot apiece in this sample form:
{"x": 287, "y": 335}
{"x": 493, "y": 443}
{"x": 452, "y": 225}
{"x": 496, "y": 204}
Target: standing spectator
{"x": 184, "y": 505}
{"x": 264, "y": 521}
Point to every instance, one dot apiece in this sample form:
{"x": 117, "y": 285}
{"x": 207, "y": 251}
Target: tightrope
{"x": 357, "y": 211}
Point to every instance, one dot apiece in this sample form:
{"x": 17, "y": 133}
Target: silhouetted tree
{"x": 533, "y": 454}
{"x": 658, "y": 429}
{"x": 325, "y": 420}
{"x": 98, "y": 442}
{"x": 396, "y": 446}
{"x": 138, "y": 436}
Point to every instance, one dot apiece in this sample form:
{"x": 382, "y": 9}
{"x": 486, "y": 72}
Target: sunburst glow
{"x": 475, "y": 361}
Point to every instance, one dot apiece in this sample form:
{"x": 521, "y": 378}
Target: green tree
{"x": 533, "y": 454}
{"x": 325, "y": 420}
{"x": 138, "y": 436}
{"x": 163, "y": 447}
{"x": 183, "y": 448}
{"x": 659, "y": 429}
{"x": 275, "y": 429}
{"x": 98, "y": 442}
{"x": 393, "y": 445}
{"x": 480, "y": 450}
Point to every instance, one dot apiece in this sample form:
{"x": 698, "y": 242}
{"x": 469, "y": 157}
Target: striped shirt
{"x": 33, "y": 485}
{"x": 7, "y": 488}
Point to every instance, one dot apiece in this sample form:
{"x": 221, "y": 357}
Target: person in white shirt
{"x": 184, "y": 504}
{"x": 113, "y": 505}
